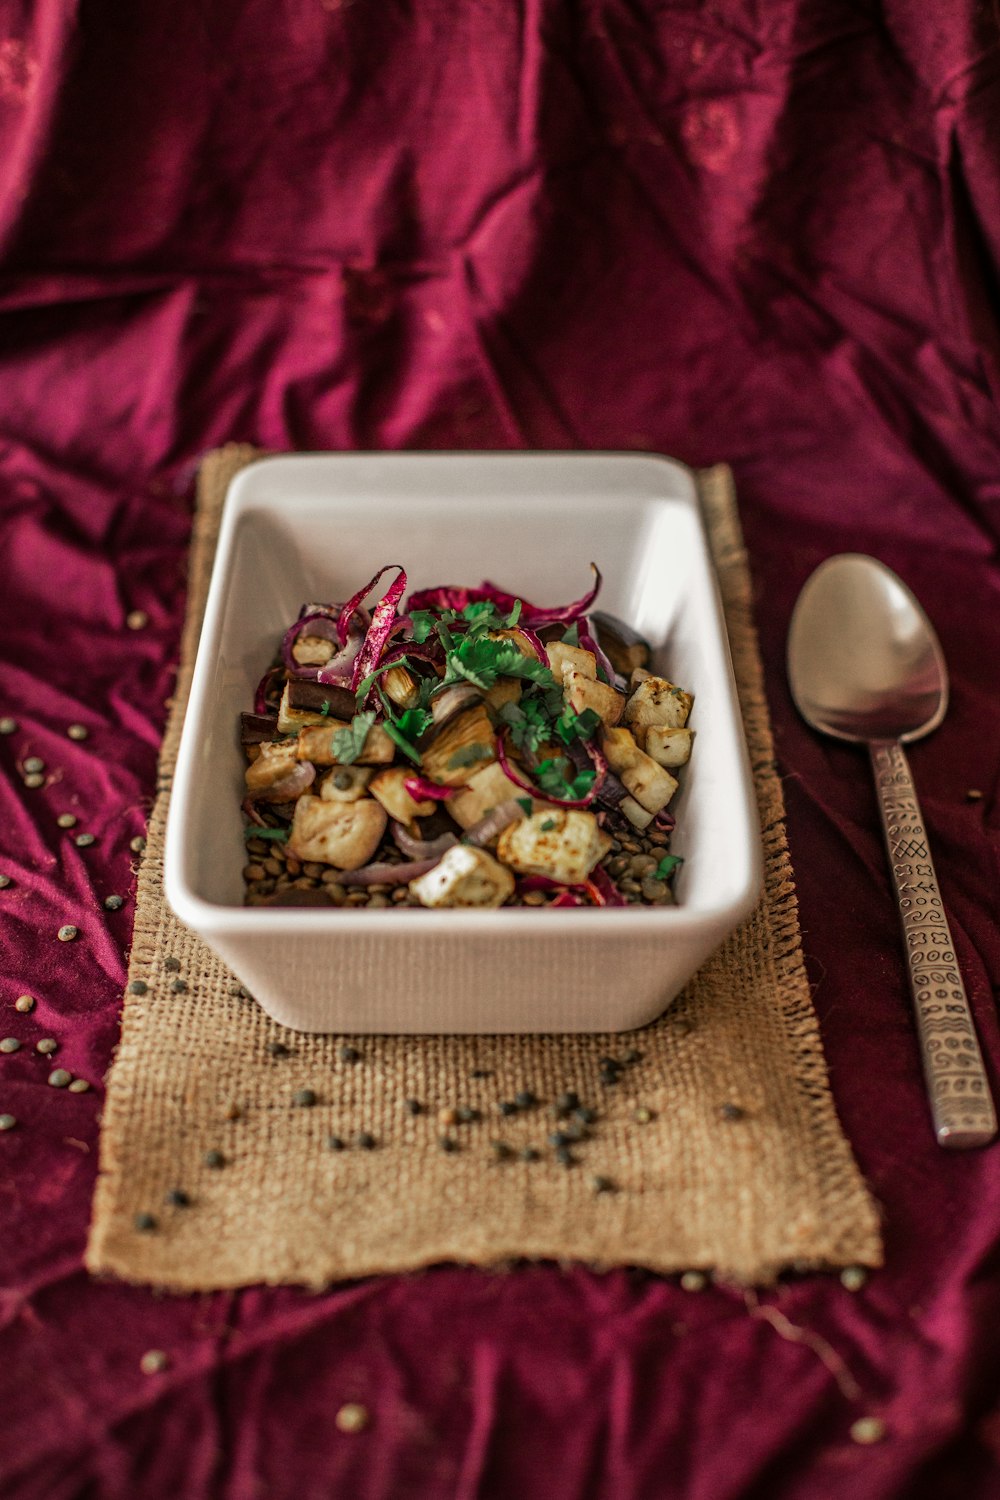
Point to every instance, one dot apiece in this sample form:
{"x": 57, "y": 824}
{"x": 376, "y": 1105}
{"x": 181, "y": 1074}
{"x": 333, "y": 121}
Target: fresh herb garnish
{"x": 324, "y": 707}
{"x": 553, "y": 776}
{"x": 546, "y": 824}
{"x": 529, "y": 724}
{"x": 366, "y": 682}
{"x": 401, "y": 742}
{"x": 480, "y": 660}
{"x": 413, "y": 722}
{"x": 468, "y": 755}
{"x": 668, "y": 864}
{"x": 571, "y": 726}
{"x": 279, "y": 835}
{"x": 571, "y": 637}
{"x": 525, "y": 804}
{"x": 422, "y": 624}
{"x": 348, "y": 743}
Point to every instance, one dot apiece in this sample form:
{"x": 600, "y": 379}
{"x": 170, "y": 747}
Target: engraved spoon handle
{"x": 957, "y": 1086}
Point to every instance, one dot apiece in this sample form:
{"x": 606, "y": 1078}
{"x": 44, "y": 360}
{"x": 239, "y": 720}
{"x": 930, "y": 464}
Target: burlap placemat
{"x": 721, "y": 1143}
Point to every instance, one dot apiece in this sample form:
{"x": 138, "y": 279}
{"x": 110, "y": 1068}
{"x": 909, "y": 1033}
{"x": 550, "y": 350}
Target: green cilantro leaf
{"x": 553, "y": 777}
{"x": 348, "y": 743}
{"x": 413, "y": 722}
{"x": 422, "y": 624}
{"x": 571, "y": 726}
{"x": 401, "y": 742}
{"x": 571, "y": 637}
{"x": 514, "y": 615}
{"x": 366, "y": 682}
{"x": 668, "y": 864}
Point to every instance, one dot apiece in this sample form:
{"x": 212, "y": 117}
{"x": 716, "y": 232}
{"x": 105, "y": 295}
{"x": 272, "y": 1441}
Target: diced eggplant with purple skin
{"x": 322, "y": 698}
{"x": 255, "y": 729}
{"x": 624, "y": 647}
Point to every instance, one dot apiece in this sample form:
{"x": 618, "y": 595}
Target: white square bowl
{"x": 314, "y": 526}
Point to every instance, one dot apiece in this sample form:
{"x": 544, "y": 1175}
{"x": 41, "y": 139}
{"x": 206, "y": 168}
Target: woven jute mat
{"x": 722, "y": 1142}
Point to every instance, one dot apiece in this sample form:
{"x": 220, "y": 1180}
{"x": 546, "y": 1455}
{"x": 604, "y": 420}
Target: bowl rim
{"x": 203, "y": 915}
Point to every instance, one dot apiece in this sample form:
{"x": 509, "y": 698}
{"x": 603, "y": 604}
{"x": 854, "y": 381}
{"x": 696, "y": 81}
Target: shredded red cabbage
{"x": 589, "y": 642}
{"x": 383, "y": 620}
{"x": 422, "y": 790}
{"x": 537, "y": 616}
{"x": 353, "y": 605}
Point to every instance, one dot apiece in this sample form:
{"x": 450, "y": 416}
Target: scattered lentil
{"x": 507, "y": 1107}
{"x": 585, "y": 1114}
{"x": 642, "y": 1115}
{"x": 853, "y": 1278}
{"x": 501, "y": 1150}
{"x": 466, "y": 1115}
{"x": 525, "y": 1099}
{"x": 145, "y": 1223}
{"x": 973, "y": 794}
{"x": 352, "y": 1418}
{"x": 732, "y": 1112}
{"x": 413, "y": 1106}
{"x": 868, "y": 1430}
{"x": 565, "y": 1157}
{"x": 603, "y": 1185}
{"x": 77, "y": 731}
{"x": 214, "y": 1159}
{"x": 25, "y": 1004}
{"x": 365, "y": 1140}
{"x": 8, "y": 725}
{"x": 306, "y": 1098}
{"x": 153, "y": 1362}
{"x": 610, "y": 1076}
{"x": 68, "y": 933}
{"x": 631, "y": 1057}
{"x": 84, "y": 840}
{"x": 138, "y": 844}
{"x": 334, "y": 1143}
{"x": 114, "y": 903}
{"x": 34, "y": 764}
{"x": 172, "y": 965}
{"x": 566, "y": 1103}
{"x": 179, "y": 987}
{"x": 533, "y": 898}
{"x": 59, "y": 1078}
{"x": 235, "y": 988}
{"x": 34, "y": 780}
{"x": 5, "y": 881}
{"x": 10, "y": 1044}
{"x": 574, "y": 1131}
{"x": 138, "y": 987}
{"x": 46, "y": 1045}
{"x": 66, "y": 820}
{"x": 79, "y": 1086}
{"x": 278, "y": 1049}
{"x": 694, "y": 1281}
{"x": 7, "y": 1122}
{"x": 350, "y": 1054}
{"x": 137, "y": 619}
{"x": 530, "y": 1154}
{"x": 232, "y": 1111}
{"x": 447, "y": 1143}
{"x": 481, "y": 1073}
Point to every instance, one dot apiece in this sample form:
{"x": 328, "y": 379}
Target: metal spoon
{"x": 865, "y": 665}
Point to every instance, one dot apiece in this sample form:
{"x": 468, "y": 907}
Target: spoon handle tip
{"x": 958, "y": 1088}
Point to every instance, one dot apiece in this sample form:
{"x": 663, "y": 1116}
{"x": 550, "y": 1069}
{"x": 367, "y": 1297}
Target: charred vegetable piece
{"x": 344, "y": 834}
{"x": 625, "y": 648}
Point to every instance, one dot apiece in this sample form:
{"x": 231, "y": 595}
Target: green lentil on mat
{"x": 179, "y": 987}
{"x": 68, "y": 933}
{"x": 84, "y": 840}
{"x": 5, "y": 881}
{"x": 853, "y": 1278}
{"x": 114, "y": 903}
{"x": 214, "y": 1159}
{"x": 79, "y": 1086}
{"x": 34, "y": 764}
{"x": 25, "y": 1004}
{"x": 138, "y": 987}
{"x": 305, "y": 1098}
{"x": 603, "y": 1185}
{"x": 172, "y": 965}
{"x": 7, "y": 1122}
{"x": 153, "y": 1362}
{"x": 137, "y": 619}
{"x": 59, "y": 1078}
{"x": 66, "y": 820}
{"x": 177, "y": 1198}
{"x": 46, "y": 1045}
{"x": 694, "y": 1281}
{"x": 365, "y": 1140}
{"x": 138, "y": 844}
{"x": 145, "y": 1223}
{"x": 34, "y": 780}
{"x": 334, "y": 1143}
{"x": 350, "y": 1054}
{"x": 77, "y": 731}
{"x": 8, "y": 725}
{"x": 10, "y": 1044}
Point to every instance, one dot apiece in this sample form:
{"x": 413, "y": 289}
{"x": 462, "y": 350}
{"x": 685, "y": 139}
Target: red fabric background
{"x": 762, "y": 233}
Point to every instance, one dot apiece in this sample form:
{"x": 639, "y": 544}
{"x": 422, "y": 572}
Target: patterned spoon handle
{"x": 959, "y": 1091}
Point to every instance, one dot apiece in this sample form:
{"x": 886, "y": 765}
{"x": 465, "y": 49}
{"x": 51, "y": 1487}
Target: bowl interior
{"x": 317, "y": 526}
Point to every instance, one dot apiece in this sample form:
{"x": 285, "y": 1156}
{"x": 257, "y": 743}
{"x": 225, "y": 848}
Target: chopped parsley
{"x": 571, "y": 637}
{"x": 571, "y": 726}
{"x": 401, "y": 742}
{"x": 546, "y": 824}
{"x": 668, "y": 864}
{"x": 526, "y": 804}
{"x": 480, "y": 660}
{"x": 348, "y": 743}
{"x": 554, "y": 777}
{"x": 324, "y": 707}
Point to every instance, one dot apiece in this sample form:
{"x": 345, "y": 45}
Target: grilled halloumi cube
{"x": 587, "y": 692}
{"x": 668, "y": 747}
{"x": 464, "y": 876}
{"x": 345, "y": 834}
{"x": 650, "y": 784}
{"x": 636, "y": 813}
{"x": 389, "y": 789}
{"x": 563, "y": 659}
{"x": 316, "y": 744}
{"x": 312, "y": 650}
{"x": 564, "y": 844}
{"x": 275, "y": 759}
{"x": 657, "y": 701}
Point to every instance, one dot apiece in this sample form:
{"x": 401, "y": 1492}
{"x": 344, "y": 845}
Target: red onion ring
{"x": 529, "y": 786}
{"x": 421, "y": 848}
{"x": 387, "y": 874}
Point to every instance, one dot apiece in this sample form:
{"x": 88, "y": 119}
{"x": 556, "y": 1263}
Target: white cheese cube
{"x": 657, "y": 701}
{"x": 586, "y": 692}
{"x": 563, "y": 844}
{"x": 668, "y": 747}
{"x": 563, "y": 659}
{"x": 464, "y": 876}
{"x": 345, "y": 834}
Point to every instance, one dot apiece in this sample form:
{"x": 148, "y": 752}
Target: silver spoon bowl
{"x": 865, "y": 665}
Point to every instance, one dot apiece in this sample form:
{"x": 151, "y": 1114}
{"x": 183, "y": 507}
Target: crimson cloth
{"x": 762, "y": 233}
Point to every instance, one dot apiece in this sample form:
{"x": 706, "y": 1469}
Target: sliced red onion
{"x": 606, "y": 892}
{"x": 495, "y": 821}
{"x": 422, "y": 790}
{"x": 589, "y": 642}
{"x": 250, "y": 811}
{"x": 534, "y": 642}
{"x": 512, "y": 774}
{"x": 569, "y": 896}
{"x": 380, "y": 629}
{"x": 265, "y": 689}
{"x": 339, "y": 670}
{"x": 665, "y": 821}
{"x": 353, "y": 605}
{"x": 388, "y": 874}
{"x": 449, "y": 597}
{"x": 421, "y": 848}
